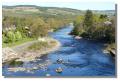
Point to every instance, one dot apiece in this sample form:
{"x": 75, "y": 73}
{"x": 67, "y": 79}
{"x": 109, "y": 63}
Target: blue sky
{"x": 74, "y": 5}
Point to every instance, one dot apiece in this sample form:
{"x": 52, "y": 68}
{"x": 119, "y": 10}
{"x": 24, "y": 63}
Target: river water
{"x": 80, "y": 58}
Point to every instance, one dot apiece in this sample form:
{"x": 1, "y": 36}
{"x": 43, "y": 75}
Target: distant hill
{"x": 47, "y": 11}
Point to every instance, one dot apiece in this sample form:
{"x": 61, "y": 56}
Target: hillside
{"x": 23, "y": 10}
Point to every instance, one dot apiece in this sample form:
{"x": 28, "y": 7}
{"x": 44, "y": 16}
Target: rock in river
{"x": 47, "y": 74}
{"x": 59, "y": 70}
{"x": 59, "y": 60}
{"x": 77, "y": 37}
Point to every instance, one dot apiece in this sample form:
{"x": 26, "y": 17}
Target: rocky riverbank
{"x": 42, "y": 66}
{"x": 9, "y": 54}
{"x": 110, "y": 49}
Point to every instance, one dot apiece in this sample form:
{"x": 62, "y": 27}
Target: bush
{"x": 18, "y": 36}
{"x": 11, "y": 36}
{"x": 4, "y": 39}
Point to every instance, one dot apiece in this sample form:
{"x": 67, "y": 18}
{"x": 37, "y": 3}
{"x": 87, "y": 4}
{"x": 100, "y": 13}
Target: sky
{"x": 108, "y": 5}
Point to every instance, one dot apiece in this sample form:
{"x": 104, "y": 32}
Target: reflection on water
{"x": 80, "y": 58}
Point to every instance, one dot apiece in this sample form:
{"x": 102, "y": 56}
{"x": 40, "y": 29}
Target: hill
{"x": 23, "y": 10}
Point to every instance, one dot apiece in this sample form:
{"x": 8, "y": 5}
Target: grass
{"x": 17, "y": 42}
{"x": 42, "y": 45}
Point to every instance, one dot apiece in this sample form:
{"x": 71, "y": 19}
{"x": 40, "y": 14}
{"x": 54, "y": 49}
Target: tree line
{"x": 16, "y": 28}
{"x": 95, "y": 26}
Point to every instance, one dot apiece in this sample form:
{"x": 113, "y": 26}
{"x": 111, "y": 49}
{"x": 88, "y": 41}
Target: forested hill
{"x": 43, "y": 11}
{"x": 47, "y": 11}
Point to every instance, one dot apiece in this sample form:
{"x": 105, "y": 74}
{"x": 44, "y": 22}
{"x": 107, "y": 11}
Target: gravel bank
{"x": 20, "y": 54}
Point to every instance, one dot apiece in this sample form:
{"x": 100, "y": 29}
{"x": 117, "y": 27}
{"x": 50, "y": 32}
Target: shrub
{"x": 4, "y": 39}
{"x": 11, "y": 36}
{"x": 18, "y": 35}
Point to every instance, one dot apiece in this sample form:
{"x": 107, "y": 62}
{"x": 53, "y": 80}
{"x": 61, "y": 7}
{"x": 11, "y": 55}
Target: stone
{"x": 48, "y": 75}
{"x": 77, "y": 37}
{"x": 8, "y": 54}
{"x": 34, "y": 68}
{"x": 59, "y": 70}
{"x": 59, "y": 60}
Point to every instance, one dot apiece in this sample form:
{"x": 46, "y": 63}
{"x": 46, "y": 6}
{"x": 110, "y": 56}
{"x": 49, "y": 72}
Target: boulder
{"x": 59, "y": 70}
{"x": 47, "y": 74}
{"x": 59, "y": 60}
{"x": 77, "y": 37}
{"x": 8, "y": 54}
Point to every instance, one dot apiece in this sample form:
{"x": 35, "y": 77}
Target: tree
{"x": 88, "y": 20}
{"x": 39, "y": 28}
{"x": 103, "y": 16}
{"x": 78, "y": 26}
{"x": 88, "y": 23}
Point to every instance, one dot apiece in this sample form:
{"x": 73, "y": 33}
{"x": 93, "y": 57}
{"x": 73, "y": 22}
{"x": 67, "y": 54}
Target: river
{"x": 80, "y": 58}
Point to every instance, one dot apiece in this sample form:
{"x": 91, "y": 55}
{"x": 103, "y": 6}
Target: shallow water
{"x": 80, "y": 58}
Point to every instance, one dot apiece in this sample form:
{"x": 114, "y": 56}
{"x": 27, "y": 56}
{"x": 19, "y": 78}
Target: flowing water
{"x": 80, "y": 58}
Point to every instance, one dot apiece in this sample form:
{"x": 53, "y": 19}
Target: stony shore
{"x": 110, "y": 49}
{"x": 9, "y": 54}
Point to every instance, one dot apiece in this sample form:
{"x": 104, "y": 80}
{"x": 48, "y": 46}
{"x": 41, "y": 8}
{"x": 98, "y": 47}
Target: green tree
{"x": 88, "y": 20}
{"x": 39, "y": 28}
{"x": 88, "y": 23}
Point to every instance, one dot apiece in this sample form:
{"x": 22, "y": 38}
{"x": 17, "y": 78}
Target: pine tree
{"x": 88, "y": 22}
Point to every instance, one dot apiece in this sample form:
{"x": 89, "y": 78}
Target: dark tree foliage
{"x": 88, "y": 20}
{"x": 103, "y": 16}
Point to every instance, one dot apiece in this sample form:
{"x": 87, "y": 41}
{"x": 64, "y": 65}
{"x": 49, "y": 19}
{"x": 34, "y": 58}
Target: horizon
{"x": 72, "y": 5}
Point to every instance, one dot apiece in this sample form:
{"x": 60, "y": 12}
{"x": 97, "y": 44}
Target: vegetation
{"x": 19, "y": 26}
{"x": 42, "y": 45}
{"x": 35, "y": 22}
{"x": 96, "y": 27}
{"x": 10, "y": 44}
{"x": 14, "y": 63}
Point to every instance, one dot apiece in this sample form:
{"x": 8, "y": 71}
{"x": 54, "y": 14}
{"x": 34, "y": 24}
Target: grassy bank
{"x": 17, "y": 42}
{"x": 42, "y": 45}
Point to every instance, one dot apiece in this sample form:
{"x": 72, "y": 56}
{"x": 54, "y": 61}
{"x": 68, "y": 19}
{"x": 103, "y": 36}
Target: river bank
{"x": 111, "y": 49}
{"x": 25, "y": 55}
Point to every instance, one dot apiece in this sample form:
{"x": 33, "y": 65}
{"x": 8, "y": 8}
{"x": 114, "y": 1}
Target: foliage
{"x": 88, "y": 20}
{"x": 92, "y": 26}
{"x": 10, "y": 44}
{"x": 42, "y": 45}
{"x": 38, "y": 26}
{"x": 11, "y": 36}
{"x": 4, "y": 39}
{"x": 18, "y": 36}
